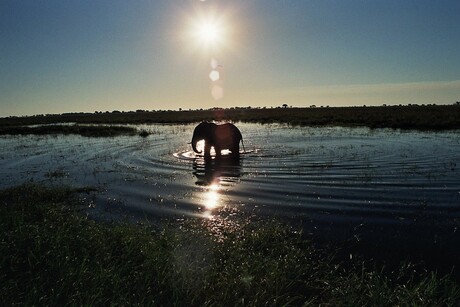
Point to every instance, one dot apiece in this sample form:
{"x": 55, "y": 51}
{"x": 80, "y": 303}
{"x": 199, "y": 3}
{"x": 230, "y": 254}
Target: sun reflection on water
{"x": 220, "y": 213}
{"x": 211, "y": 199}
{"x": 219, "y": 218}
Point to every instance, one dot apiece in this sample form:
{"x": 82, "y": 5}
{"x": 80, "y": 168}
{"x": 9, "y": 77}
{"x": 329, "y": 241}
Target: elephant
{"x": 224, "y": 136}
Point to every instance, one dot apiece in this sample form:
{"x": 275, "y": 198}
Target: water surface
{"x": 353, "y": 185}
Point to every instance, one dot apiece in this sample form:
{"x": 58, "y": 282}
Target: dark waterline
{"x": 379, "y": 189}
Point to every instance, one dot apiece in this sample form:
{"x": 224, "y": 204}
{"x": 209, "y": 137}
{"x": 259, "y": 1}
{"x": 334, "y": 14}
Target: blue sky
{"x": 85, "y": 56}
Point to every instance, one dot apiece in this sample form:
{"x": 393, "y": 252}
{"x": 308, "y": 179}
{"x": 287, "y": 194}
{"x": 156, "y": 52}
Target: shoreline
{"x": 412, "y": 117}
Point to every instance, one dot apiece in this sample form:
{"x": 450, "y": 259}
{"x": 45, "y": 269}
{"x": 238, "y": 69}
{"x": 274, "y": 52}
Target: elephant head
{"x": 225, "y": 136}
{"x": 201, "y": 132}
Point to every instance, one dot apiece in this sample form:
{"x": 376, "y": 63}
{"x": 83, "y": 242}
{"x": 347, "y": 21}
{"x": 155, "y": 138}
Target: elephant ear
{"x": 202, "y": 127}
{"x": 201, "y": 131}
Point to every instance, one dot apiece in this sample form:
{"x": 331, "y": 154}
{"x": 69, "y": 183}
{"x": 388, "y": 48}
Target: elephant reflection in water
{"x": 224, "y": 136}
{"x": 210, "y": 172}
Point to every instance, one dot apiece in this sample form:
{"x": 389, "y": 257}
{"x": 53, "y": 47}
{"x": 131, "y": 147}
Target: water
{"x": 360, "y": 187}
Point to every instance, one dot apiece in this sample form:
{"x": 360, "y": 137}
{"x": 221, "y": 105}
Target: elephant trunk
{"x": 194, "y": 141}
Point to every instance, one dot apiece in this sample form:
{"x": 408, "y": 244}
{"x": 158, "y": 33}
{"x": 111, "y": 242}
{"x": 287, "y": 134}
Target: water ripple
{"x": 322, "y": 174}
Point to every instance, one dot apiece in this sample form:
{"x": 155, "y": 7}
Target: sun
{"x": 209, "y": 32}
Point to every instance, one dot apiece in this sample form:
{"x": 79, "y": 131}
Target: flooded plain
{"x": 382, "y": 188}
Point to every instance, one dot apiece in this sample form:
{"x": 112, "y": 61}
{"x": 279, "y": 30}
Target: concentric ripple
{"x": 328, "y": 178}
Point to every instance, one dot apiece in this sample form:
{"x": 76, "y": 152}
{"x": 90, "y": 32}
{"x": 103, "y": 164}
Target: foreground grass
{"x": 53, "y": 255}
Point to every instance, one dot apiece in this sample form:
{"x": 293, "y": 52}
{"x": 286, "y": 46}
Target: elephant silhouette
{"x": 224, "y": 136}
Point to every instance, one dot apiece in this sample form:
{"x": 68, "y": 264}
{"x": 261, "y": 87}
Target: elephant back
{"x": 231, "y": 130}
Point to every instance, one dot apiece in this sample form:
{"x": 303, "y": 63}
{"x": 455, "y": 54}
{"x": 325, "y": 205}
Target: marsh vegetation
{"x": 52, "y": 254}
{"x": 83, "y": 130}
{"x": 430, "y": 117}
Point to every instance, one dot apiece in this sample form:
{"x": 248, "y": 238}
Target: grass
{"x": 431, "y": 117}
{"x": 87, "y": 131}
{"x": 53, "y": 255}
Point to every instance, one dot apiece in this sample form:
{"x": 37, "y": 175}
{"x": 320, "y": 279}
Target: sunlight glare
{"x": 200, "y": 145}
{"x": 212, "y": 197}
{"x": 208, "y": 31}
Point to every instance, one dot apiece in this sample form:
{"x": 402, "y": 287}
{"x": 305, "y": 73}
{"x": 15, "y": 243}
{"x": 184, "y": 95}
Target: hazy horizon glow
{"x": 85, "y": 56}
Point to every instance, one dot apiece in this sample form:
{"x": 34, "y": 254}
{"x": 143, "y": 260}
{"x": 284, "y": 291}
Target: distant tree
{"x": 458, "y": 103}
{"x": 285, "y": 105}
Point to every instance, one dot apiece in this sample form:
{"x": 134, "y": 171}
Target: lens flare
{"x": 214, "y": 75}
{"x": 210, "y": 32}
{"x": 217, "y": 92}
{"x": 214, "y": 63}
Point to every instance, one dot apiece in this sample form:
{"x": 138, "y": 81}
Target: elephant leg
{"x": 207, "y": 150}
{"x": 235, "y": 150}
{"x": 218, "y": 151}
